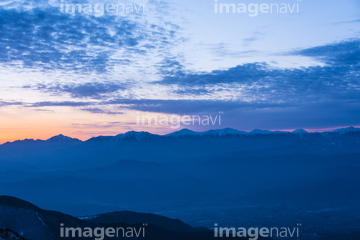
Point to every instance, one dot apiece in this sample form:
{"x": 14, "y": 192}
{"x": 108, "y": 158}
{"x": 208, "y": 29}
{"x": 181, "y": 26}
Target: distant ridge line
{"x": 188, "y": 133}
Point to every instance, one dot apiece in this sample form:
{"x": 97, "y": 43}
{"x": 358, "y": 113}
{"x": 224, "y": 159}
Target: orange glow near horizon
{"x": 27, "y": 123}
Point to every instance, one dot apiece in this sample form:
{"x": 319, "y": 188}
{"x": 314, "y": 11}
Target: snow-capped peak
{"x": 342, "y": 131}
{"x": 299, "y": 131}
{"x": 132, "y": 134}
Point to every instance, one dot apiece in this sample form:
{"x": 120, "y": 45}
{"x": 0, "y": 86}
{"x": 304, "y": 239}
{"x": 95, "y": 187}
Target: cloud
{"x": 255, "y": 36}
{"x": 346, "y": 53}
{"x": 304, "y": 115}
{"x": 90, "y": 107}
{"x": 192, "y": 91}
{"x": 244, "y": 73}
{"x": 338, "y": 79}
{"x": 40, "y": 36}
{"x": 171, "y": 66}
{"x": 318, "y": 96}
{"x": 60, "y": 104}
{"x": 187, "y": 106}
{"x": 350, "y": 21}
{"x": 101, "y": 111}
{"x": 97, "y": 125}
{"x": 93, "y": 90}
{"x": 4, "y": 103}
{"x": 35, "y": 35}
{"x": 248, "y": 116}
{"x": 254, "y": 85}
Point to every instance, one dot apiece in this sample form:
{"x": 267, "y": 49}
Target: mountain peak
{"x": 135, "y": 135}
{"x": 58, "y": 137}
{"x": 62, "y": 138}
{"x": 300, "y": 131}
{"x": 346, "y": 130}
{"x": 183, "y": 132}
{"x": 224, "y": 132}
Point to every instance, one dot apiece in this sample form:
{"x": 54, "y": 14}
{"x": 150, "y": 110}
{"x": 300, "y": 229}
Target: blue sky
{"x": 89, "y": 74}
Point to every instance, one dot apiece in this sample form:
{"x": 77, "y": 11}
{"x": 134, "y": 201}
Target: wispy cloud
{"x": 47, "y": 39}
{"x": 4, "y": 103}
{"x": 168, "y": 61}
{"x": 97, "y": 125}
{"x": 101, "y": 111}
{"x": 60, "y": 104}
{"x": 253, "y": 38}
{"x": 345, "y": 54}
{"x": 188, "y": 106}
{"x": 338, "y": 79}
{"x": 84, "y": 90}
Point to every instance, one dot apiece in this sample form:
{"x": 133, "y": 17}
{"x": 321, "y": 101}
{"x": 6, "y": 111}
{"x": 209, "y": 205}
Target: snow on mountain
{"x": 224, "y": 132}
{"x": 7, "y": 234}
{"x": 299, "y": 131}
{"x": 139, "y": 136}
{"x": 220, "y": 132}
{"x": 134, "y": 135}
{"x": 216, "y": 133}
{"x": 342, "y": 131}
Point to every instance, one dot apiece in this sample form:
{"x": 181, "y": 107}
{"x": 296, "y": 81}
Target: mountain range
{"x": 259, "y": 178}
{"x": 65, "y": 153}
{"x": 187, "y": 133}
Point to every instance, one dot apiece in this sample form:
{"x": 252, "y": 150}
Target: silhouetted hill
{"x": 137, "y": 218}
{"x": 13, "y": 202}
{"x": 22, "y": 220}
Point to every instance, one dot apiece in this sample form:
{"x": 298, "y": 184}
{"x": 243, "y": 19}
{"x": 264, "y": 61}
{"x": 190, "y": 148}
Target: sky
{"x": 94, "y": 72}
